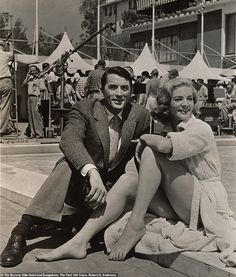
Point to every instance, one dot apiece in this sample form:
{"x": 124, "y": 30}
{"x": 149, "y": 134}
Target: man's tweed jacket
{"x": 85, "y": 139}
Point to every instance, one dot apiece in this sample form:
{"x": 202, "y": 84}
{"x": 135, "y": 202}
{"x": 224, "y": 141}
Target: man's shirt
{"x": 94, "y": 80}
{"x": 5, "y": 57}
{"x": 87, "y": 167}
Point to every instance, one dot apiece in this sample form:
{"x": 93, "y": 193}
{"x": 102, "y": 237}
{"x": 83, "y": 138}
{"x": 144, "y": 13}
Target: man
{"x": 152, "y": 90}
{"x": 145, "y": 77}
{"x": 50, "y": 80}
{"x": 93, "y": 83}
{"x": 97, "y": 144}
{"x": 69, "y": 94}
{"x": 202, "y": 93}
{"x": 80, "y": 85}
{"x": 5, "y": 86}
{"x": 173, "y": 73}
{"x": 32, "y": 82}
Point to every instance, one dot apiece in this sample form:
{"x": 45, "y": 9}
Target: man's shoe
{"x": 14, "y": 252}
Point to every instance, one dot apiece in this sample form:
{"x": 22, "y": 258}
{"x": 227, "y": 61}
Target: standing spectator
{"x": 202, "y": 93}
{"x": 145, "y": 77}
{"x": 76, "y": 78}
{"x": 5, "y": 86}
{"x": 35, "y": 120}
{"x": 234, "y": 88}
{"x": 80, "y": 85}
{"x": 152, "y": 90}
{"x": 51, "y": 80}
{"x": 93, "y": 84}
{"x": 172, "y": 74}
{"x": 69, "y": 97}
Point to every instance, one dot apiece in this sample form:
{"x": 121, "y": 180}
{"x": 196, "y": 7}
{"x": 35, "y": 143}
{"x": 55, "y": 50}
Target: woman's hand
{"x": 139, "y": 149}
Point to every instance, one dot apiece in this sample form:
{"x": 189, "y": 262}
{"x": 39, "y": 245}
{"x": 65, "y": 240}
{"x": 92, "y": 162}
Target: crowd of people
{"x": 176, "y": 172}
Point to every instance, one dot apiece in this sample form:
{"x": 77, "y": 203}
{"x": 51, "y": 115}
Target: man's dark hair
{"x": 45, "y": 65}
{"x": 200, "y": 80}
{"x": 146, "y": 74}
{"x": 117, "y": 70}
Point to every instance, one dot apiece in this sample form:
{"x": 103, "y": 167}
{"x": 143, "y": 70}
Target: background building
{"x": 177, "y": 26}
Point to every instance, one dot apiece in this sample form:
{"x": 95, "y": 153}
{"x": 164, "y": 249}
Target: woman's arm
{"x": 157, "y": 142}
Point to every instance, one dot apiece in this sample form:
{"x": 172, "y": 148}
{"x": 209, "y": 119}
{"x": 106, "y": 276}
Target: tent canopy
{"x": 197, "y": 69}
{"x": 146, "y": 62}
{"x": 74, "y": 61}
{"x": 29, "y": 59}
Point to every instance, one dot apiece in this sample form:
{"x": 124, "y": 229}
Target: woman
{"x": 186, "y": 165}
{"x": 171, "y": 166}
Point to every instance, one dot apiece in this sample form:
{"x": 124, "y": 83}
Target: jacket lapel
{"x": 129, "y": 125}
{"x": 101, "y": 123}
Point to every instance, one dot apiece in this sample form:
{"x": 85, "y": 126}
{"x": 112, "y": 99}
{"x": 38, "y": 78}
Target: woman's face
{"x": 181, "y": 104}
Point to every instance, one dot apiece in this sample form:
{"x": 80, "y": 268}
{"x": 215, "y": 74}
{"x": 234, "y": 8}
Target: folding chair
{"x": 211, "y": 115}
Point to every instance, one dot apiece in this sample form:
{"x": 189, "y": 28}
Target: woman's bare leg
{"x": 155, "y": 169}
{"x": 76, "y": 248}
{"x": 160, "y": 205}
{"x": 149, "y": 181}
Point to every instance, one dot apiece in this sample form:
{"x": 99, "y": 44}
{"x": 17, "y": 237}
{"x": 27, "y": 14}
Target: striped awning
{"x": 145, "y": 4}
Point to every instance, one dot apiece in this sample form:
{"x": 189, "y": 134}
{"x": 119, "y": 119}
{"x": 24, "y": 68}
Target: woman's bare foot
{"x": 131, "y": 235}
{"x": 69, "y": 250}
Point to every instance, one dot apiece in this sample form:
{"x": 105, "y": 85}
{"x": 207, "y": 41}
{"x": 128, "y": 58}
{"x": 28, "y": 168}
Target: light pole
{"x": 202, "y": 26}
{"x": 98, "y": 28}
{"x": 153, "y": 27}
{"x": 36, "y": 28}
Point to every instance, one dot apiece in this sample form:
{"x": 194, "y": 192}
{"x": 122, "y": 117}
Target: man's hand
{"x": 97, "y": 194}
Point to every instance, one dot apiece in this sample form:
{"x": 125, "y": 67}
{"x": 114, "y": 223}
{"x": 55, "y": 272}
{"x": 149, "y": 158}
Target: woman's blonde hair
{"x": 164, "y": 97}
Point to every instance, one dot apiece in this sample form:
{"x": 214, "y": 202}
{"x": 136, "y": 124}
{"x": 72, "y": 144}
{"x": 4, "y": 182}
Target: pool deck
{"x": 24, "y": 166}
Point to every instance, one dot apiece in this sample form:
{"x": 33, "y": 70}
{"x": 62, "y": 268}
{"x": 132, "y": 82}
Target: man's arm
{"x": 25, "y": 82}
{"x": 73, "y": 147}
{"x": 87, "y": 85}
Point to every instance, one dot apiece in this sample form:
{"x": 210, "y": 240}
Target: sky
{"x": 55, "y": 16}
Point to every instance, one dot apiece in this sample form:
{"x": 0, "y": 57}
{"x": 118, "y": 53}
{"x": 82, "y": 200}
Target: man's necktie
{"x": 115, "y": 127}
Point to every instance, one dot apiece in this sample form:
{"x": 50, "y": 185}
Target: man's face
{"x": 199, "y": 84}
{"x": 117, "y": 92}
{"x": 33, "y": 70}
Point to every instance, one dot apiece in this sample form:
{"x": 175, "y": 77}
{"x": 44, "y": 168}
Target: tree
{"x": 88, "y": 9}
{"x": 114, "y": 52}
{"x": 19, "y": 32}
{"x": 46, "y": 42}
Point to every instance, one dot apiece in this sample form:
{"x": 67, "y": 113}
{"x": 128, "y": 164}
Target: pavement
{"x": 24, "y": 166}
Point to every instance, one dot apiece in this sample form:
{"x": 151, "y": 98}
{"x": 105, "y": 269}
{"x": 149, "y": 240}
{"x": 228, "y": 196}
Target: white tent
{"x": 146, "y": 62}
{"x": 197, "y": 69}
{"x": 74, "y": 61}
{"x": 29, "y": 59}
